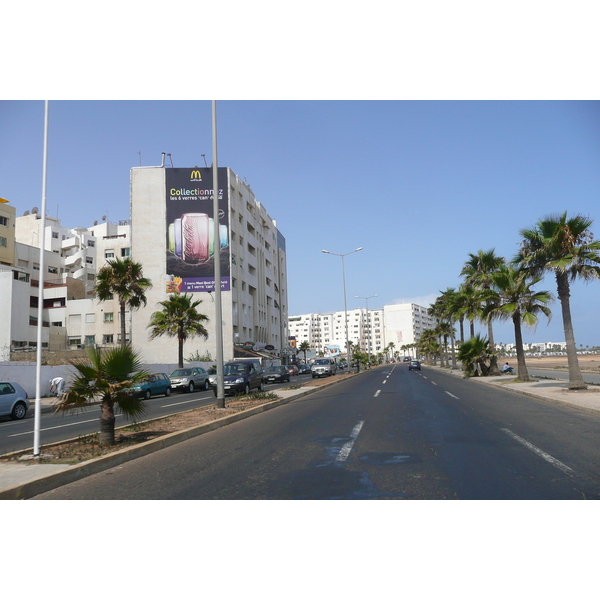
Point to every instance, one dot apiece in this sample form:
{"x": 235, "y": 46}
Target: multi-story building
{"x": 173, "y": 238}
{"x": 372, "y": 330}
{"x": 71, "y": 316}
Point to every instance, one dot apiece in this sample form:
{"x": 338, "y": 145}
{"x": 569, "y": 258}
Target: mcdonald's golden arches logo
{"x": 195, "y": 174}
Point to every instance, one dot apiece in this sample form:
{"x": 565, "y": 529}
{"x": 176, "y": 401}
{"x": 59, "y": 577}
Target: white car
{"x": 13, "y": 400}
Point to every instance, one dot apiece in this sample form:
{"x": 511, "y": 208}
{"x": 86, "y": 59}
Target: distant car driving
{"x": 304, "y": 369}
{"x": 323, "y": 367}
{"x": 276, "y": 375}
{"x": 414, "y": 365}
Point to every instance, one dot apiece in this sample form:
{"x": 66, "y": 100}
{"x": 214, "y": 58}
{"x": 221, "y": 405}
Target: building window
{"x": 107, "y": 339}
{"x": 53, "y": 270}
{"x": 90, "y": 340}
{"x": 109, "y": 254}
{"x": 3, "y": 242}
{"x": 55, "y": 235}
{"x": 125, "y": 251}
{"x": 109, "y": 317}
{"x": 4, "y": 221}
{"x": 91, "y": 243}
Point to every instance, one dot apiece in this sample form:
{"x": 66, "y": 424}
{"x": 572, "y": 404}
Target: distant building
{"x": 372, "y": 330}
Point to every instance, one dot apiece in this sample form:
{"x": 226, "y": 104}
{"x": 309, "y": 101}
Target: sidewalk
{"x": 26, "y": 479}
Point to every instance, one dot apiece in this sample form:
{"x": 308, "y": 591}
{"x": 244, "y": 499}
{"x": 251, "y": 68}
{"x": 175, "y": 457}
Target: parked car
{"x": 343, "y": 364}
{"x": 406, "y": 359}
{"x": 157, "y": 383}
{"x": 414, "y": 365}
{"x": 304, "y": 369}
{"x": 276, "y": 375}
{"x": 241, "y": 377}
{"x": 293, "y": 370}
{"x": 323, "y": 367}
{"x": 14, "y": 402}
{"x": 190, "y": 379}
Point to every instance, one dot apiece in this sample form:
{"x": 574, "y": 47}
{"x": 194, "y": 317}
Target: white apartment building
{"x": 172, "y": 237}
{"x": 373, "y": 330}
{"x": 71, "y": 259}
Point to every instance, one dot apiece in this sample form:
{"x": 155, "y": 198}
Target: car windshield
{"x": 235, "y": 369}
{"x": 321, "y": 361}
{"x": 275, "y": 369}
{"x": 181, "y": 373}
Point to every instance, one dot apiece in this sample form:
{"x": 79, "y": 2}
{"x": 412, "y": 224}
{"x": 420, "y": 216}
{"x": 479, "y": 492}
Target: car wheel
{"x": 147, "y": 394}
{"x": 19, "y": 411}
{"x": 168, "y": 391}
{"x": 191, "y": 386}
{"x": 206, "y": 384}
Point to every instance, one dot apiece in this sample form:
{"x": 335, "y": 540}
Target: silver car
{"x": 13, "y": 400}
{"x": 189, "y": 379}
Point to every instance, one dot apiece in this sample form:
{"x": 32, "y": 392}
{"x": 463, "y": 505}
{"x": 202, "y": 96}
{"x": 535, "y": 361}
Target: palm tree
{"x": 428, "y": 344}
{"x": 515, "y": 299}
{"x": 107, "y": 375}
{"x": 304, "y": 347}
{"x": 478, "y": 271}
{"x": 179, "y": 318}
{"x": 565, "y": 247}
{"x": 474, "y": 354}
{"x": 124, "y": 279}
{"x": 469, "y": 299}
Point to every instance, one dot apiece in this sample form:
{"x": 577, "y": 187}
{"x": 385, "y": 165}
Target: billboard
{"x": 191, "y": 244}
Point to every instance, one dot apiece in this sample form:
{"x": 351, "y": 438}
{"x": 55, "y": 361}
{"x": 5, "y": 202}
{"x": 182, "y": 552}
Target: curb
{"x": 26, "y": 490}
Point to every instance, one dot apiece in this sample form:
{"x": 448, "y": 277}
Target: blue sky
{"x": 417, "y": 184}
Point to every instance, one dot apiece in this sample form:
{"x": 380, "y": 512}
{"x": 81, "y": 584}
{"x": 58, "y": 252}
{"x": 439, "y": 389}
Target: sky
{"x": 420, "y": 131}
{"x": 417, "y": 184}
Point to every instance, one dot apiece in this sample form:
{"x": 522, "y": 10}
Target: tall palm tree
{"x": 478, "y": 271}
{"x": 469, "y": 298}
{"x": 304, "y": 347}
{"x": 515, "y": 299}
{"x": 178, "y": 318}
{"x": 428, "y": 344}
{"x": 564, "y": 246}
{"x": 107, "y": 375}
{"x": 124, "y": 279}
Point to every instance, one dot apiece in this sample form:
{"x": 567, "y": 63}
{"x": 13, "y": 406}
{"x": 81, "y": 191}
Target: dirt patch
{"x": 587, "y": 362}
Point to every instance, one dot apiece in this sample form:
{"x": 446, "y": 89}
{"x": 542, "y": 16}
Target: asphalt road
{"x": 18, "y": 435}
{"x": 387, "y": 434}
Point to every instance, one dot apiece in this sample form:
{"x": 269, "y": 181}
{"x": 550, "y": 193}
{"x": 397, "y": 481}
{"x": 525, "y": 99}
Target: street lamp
{"x": 366, "y": 299}
{"x": 345, "y": 307}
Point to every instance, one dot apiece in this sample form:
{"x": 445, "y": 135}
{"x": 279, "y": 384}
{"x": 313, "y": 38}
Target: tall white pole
{"x": 345, "y": 307}
{"x": 40, "y": 322}
{"x": 217, "y": 261}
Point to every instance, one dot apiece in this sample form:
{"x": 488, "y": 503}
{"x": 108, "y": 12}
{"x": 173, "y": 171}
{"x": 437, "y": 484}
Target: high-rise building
{"x": 173, "y": 238}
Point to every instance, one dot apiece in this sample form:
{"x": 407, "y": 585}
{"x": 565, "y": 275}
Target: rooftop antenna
{"x": 162, "y": 164}
{"x": 170, "y": 160}
{"x": 204, "y": 157}
{"x": 140, "y": 153}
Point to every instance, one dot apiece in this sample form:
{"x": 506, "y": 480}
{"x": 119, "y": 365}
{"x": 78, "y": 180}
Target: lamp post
{"x": 345, "y": 307}
{"x": 366, "y": 299}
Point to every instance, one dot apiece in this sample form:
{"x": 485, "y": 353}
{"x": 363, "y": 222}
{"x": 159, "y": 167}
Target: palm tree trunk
{"x": 472, "y": 327}
{"x": 123, "y": 330}
{"x": 575, "y": 379}
{"x": 461, "y": 322}
{"x": 523, "y": 373}
{"x": 107, "y": 422}
{"x": 180, "y": 338}
{"x": 494, "y": 370}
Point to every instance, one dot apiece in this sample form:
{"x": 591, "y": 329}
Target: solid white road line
{"x": 182, "y": 402}
{"x": 345, "y": 451}
{"x": 544, "y": 455}
{"x": 453, "y": 396}
{"x": 56, "y": 427}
